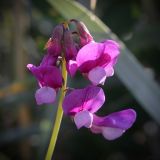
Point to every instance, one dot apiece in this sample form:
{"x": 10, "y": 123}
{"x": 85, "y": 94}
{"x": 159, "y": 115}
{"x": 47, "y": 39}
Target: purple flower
{"x": 98, "y": 59}
{"x": 113, "y": 125}
{"x": 49, "y": 79}
{"x": 89, "y": 100}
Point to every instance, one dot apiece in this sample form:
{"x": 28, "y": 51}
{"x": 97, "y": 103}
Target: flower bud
{"x": 85, "y": 36}
{"x": 69, "y": 46}
{"x": 53, "y": 45}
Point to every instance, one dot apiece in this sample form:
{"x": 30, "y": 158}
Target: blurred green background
{"x": 25, "y": 128}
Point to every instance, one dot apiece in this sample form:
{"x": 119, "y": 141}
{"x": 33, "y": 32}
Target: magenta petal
{"x": 37, "y": 72}
{"x": 47, "y": 75}
{"x": 72, "y": 67}
{"x": 49, "y": 60}
{"x": 45, "y": 95}
{"x": 83, "y": 118}
{"x": 90, "y": 98}
{"x": 88, "y": 54}
{"x": 112, "y": 49}
{"x": 97, "y": 75}
{"x": 52, "y": 77}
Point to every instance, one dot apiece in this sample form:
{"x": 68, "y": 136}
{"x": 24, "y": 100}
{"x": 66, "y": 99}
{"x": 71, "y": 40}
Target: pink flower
{"x": 96, "y": 60}
{"x": 47, "y": 74}
{"x": 49, "y": 79}
{"x": 89, "y": 100}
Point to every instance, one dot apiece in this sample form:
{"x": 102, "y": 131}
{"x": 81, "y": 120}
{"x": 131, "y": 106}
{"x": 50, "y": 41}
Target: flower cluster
{"x": 96, "y": 62}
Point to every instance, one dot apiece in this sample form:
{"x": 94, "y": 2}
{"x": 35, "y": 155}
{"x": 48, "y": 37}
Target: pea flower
{"x": 47, "y": 73}
{"x": 70, "y": 49}
{"x": 89, "y": 100}
{"x": 49, "y": 79}
{"x": 98, "y": 59}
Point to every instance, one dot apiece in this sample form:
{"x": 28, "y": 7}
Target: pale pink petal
{"x": 112, "y": 133}
{"x": 83, "y": 118}
{"x": 45, "y": 95}
{"x": 29, "y": 66}
{"x": 109, "y": 71}
{"x": 97, "y": 75}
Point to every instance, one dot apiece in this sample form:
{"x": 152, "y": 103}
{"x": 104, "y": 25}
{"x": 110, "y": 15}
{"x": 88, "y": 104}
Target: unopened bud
{"x": 85, "y": 36}
{"x": 69, "y": 45}
{"x": 53, "y": 45}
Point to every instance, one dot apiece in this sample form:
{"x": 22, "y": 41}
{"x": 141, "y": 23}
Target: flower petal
{"x": 72, "y": 67}
{"x": 123, "y": 119}
{"x": 112, "y": 48}
{"x": 69, "y": 46}
{"x": 83, "y": 118}
{"x": 115, "y": 124}
{"x": 109, "y": 71}
{"x": 53, "y": 46}
{"x": 45, "y": 95}
{"x": 47, "y": 75}
{"x": 85, "y": 36}
{"x": 49, "y": 60}
{"x": 52, "y": 77}
{"x": 97, "y": 76}
{"x": 112, "y": 133}
{"x": 90, "y": 98}
{"x": 87, "y": 56}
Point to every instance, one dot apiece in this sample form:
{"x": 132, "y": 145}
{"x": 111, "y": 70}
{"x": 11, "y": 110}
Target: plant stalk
{"x": 59, "y": 114}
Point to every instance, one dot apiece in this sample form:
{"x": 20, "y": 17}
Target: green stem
{"x": 59, "y": 114}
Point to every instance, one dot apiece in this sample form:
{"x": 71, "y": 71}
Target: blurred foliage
{"x": 25, "y": 127}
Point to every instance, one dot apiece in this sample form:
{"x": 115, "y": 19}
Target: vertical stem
{"x": 59, "y": 114}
